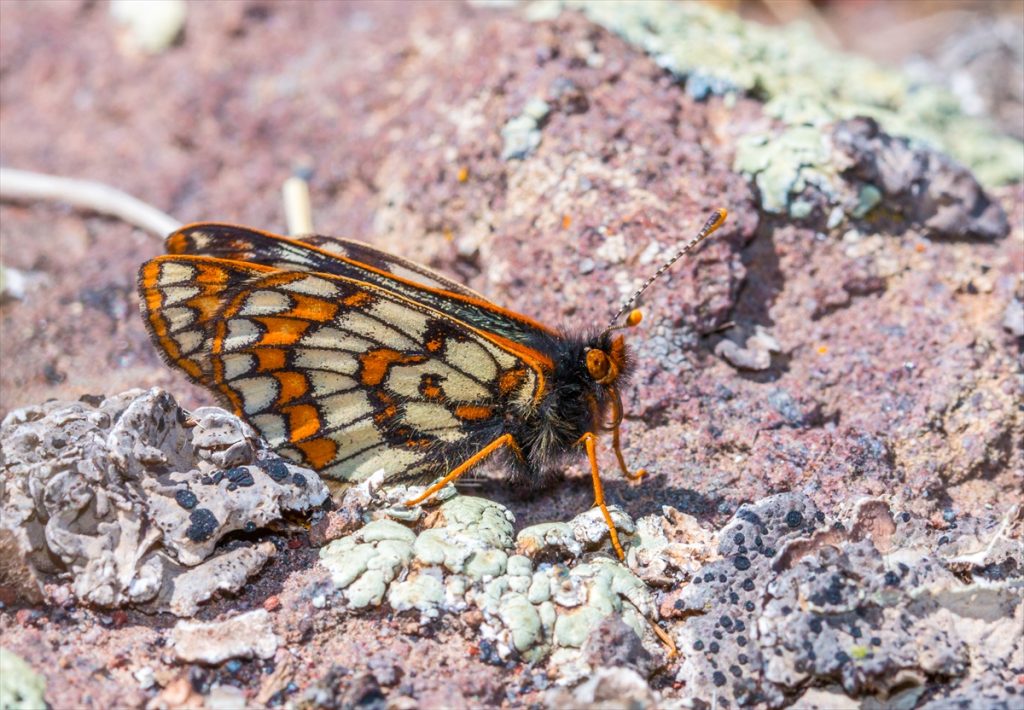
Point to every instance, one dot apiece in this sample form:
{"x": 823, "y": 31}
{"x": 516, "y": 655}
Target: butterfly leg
{"x": 633, "y": 476}
{"x": 616, "y": 422}
{"x": 589, "y": 440}
{"x": 503, "y": 440}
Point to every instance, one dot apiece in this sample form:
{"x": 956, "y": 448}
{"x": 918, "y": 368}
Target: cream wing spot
{"x": 272, "y": 427}
{"x": 172, "y": 272}
{"x": 380, "y": 333}
{"x": 506, "y": 361}
{"x": 524, "y": 395}
{"x": 241, "y": 333}
{"x": 257, "y": 393}
{"x": 312, "y": 286}
{"x": 266, "y": 303}
{"x": 404, "y": 380}
{"x": 424, "y": 416}
{"x": 470, "y": 356}
{"x": 361, "y": 466}
{"x": 176, "y": 294}
{"x": 200, "y": 240}
{"x": 340, "y": 410}
{"x": 238, "y": 364}
{"x": 330, "y": 337}
{"x": 326, "y": 360}
{"x": 402, "y": 317}
{"x": 178, "y": 317}
{"x": 189, "y": 341}
{"x": 325, "y": 383}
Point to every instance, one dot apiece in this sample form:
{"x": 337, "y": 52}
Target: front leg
{"x": 589, "y": 440}
{"x": 503, "y": 440}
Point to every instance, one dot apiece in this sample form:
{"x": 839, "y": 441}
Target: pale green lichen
{"x": 806, "y": 88}
{"x": 522, "y": 620}
{"x": 423, "y": 591}
{"x": 786, "y": 164}
{"x": 548, "y": 537}
{"x": 364, "y": 563}
{"x": 21, "y": 688}
{"x": 469, "y": 561}
{"x": 521, "y": 134}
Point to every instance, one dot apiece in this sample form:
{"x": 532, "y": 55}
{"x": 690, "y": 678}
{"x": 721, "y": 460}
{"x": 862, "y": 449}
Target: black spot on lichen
{"x": 794, "y": 519}
{"x": 186, "y": 499}
{"x": 275, "y": 469}
{"x": 299, "y": 480}
{"x": 833, "y": 594}
{"x": 742, "y": 563}
{"x": 203, "y": 524}
{"x": 718, "y": 678}
{"x": 239, "y": 477}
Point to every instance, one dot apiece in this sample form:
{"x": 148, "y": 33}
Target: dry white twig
{"x": 298, "y": 210}
{"x": 85, "y": 194}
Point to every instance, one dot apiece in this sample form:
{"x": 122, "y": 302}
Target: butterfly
{"x": 347, "y": 359}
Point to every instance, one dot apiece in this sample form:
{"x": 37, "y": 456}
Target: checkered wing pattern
{"x": 339, "y": 373}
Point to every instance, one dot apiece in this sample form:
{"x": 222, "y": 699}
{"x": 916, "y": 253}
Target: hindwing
{"x": 342, "y": 375}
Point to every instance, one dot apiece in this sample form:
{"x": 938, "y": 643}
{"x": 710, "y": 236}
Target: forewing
{"x": 342, "y": 376}
{"x": 243, "y": 244}
{"x": 361, "y": 262}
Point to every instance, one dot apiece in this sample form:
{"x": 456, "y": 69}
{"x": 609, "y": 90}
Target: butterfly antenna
{"x": 716, "y": 220}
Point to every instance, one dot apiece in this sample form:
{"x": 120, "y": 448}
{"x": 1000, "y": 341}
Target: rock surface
{"x": 837, "y": 340}
{"x": 128, "y": 496}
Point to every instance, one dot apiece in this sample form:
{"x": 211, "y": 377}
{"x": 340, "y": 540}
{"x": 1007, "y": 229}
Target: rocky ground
{"x": 827, "y": 395}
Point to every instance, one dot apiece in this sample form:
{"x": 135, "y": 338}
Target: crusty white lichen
{"x": 128, "y": 497}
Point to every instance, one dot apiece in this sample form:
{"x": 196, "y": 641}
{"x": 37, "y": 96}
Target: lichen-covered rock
{"x": 128, "y": 496}
{"x": 532, "y": 604}
{"x": 797, "y": 601}
{"x": 804, "y": 84}
{"x": 817, "y": 163}
{"x": 921, "y": 186}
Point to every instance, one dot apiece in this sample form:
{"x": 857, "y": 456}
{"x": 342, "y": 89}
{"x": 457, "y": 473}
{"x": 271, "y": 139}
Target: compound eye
{"x": 597, "y": 364}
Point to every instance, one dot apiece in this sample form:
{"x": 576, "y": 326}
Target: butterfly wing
{"x": 339, "y": 374}
{"x": 331, "y": 254}
{"x": 355, "y": 260}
